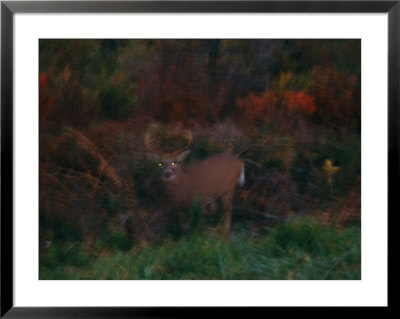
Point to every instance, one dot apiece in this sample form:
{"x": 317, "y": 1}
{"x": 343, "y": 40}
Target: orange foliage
{"x": 299, "y": 101}
{"x": 43, "y": 77}
{"x": 46, "y": 101}
{"x": 332, "y": 95}
{"x": 256, "y": 107}
{"x": 273, "y": 103}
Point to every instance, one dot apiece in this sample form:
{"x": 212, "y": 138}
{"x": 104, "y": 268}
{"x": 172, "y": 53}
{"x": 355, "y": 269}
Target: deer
{"x": 211, "y": 180}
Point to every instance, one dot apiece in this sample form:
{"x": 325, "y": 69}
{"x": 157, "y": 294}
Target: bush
{"x": 306, "y": 234}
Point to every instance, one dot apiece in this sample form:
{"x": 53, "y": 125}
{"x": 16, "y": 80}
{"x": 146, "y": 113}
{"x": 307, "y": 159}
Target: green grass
{"x": 303, "y": 249}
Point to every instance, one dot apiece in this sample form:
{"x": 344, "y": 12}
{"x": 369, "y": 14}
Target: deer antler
{"x": 149, "y": 139}
{"x": 176, "y": 131}
{"x": 188, "y": 137}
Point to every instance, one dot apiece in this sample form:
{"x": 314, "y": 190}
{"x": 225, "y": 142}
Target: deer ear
{"x": 152, "y": 156}
{"x": 183, "y": 155}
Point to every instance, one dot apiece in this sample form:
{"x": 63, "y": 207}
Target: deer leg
{"x": 227, "y": 207}
{"x": 210, "y": 206}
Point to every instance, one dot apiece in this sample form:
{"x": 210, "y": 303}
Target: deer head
{"x": 170, "y": 160}
{"x": 210, "y": 180}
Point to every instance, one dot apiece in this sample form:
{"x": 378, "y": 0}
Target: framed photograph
{"x": 166, "y": 158}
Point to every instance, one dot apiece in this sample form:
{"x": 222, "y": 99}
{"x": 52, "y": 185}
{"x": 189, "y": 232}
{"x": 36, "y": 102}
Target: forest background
{"x": 291, "y": 109}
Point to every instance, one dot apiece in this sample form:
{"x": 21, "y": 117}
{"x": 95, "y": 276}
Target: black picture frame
{"x": 9, "y": 8}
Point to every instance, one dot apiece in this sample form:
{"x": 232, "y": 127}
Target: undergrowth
{"x": 303, "y": 249}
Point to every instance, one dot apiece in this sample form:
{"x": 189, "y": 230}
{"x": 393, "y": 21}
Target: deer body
{"x": 212, "y": 179}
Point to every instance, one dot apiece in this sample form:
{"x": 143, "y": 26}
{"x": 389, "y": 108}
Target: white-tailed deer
{"x": 212, "y": 179}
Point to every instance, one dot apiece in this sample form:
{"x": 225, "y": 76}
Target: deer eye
{"x": 173, "y": 163}
{"x": 159, "y": 164}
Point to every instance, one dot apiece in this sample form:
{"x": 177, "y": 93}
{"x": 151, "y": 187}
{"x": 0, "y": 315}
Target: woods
{"x": 290, "y": 109}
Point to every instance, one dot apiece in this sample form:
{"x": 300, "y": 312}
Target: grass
{"x": 303, "y": 249}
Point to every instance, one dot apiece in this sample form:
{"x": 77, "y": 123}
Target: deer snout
{"x": 168, "y": 175}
